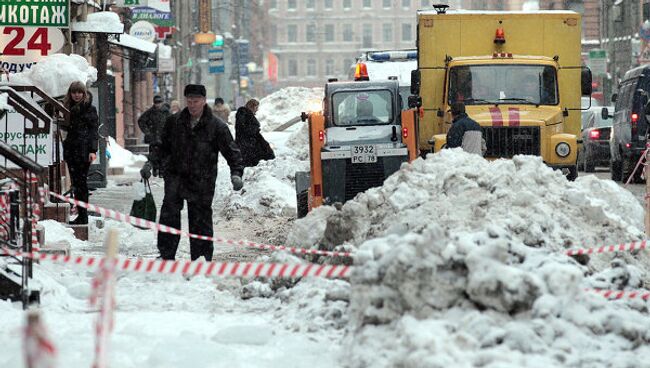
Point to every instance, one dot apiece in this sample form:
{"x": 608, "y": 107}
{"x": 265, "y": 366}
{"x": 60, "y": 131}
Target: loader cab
{"x": 361, "y": 137}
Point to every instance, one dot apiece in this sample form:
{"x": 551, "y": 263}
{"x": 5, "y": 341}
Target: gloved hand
{"x": 145, "y": 172}
{"x": 236, "y": 181}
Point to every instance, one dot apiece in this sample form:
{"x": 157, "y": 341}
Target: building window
{"x": 311, "y": 68}
{"x": 292, "y": 68}
{"x": 329, "y": 67}
{"x": 310, "y": 4}
{"x": 347, "y": 4}
{"x": 274, "y": 35}
{"x": 387, "y": 31}
{"x": 329, "y": 33}
{"x": 387, "y": 4}
{"x": 347, "y": 32}
{"x": 425, "y": 3}
{"x": 292, "y": 33}
{"x": 407, "y": 30}
{"x": 329, "y": 4}
{"x": 367, "y": 36}
{"x": 406, "y": 3}
{"x": 310, "y": 34}
{"x": 273, "y": 4}
{"x": 291, "y": 4}
{"x": 367, "y": 3}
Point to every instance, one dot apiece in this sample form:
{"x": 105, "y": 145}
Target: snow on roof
{"x": 383, "y": 70}
{"x": 128, "y": 41}
{"x": 89, "y": 2}
{"x": 55, "y": 73}
{"x": 100, "y": 22}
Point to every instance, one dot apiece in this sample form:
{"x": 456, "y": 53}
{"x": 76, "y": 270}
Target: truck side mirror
{"x": 304, "y": 116}
{"x": 614, "y": 97}
{"x": 415, "y": 82}
{"x": 415, "y": 102}
{"x": 585, "y": 81}
{"x": 604, "y": 113}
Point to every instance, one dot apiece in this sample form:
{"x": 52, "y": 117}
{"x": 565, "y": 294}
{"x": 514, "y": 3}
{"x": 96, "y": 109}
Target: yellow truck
{"x": 518, "y": 73}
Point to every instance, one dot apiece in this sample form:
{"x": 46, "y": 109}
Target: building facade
{"x": 316, "y": 40}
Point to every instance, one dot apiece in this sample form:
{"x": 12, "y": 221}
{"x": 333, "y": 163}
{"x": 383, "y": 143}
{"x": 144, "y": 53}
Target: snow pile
{"x": 55, "y": 73}
{"x": 269, "y": 189}
{"x": 4, "y": 104}
{"x": 298, "y": 141}
{"x": 120, "y": 157}
{"x": 286, "y": 104}
{"x": 106, "y": 22}
{"x": 459, "y": 264}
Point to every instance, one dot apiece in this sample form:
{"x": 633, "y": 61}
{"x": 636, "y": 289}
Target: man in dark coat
{"x": 191, "y": 142}
{"x": 248, "y": 137}
{"x": 151, "y": 123}
{"x": 464, "y": 131}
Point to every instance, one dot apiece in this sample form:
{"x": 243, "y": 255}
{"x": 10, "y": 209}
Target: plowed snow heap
{"x": 459, "y": 264}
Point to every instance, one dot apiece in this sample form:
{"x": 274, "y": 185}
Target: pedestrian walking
{"x": 221, "y": 110}
{"x": 80, "y": 144}
{"x": 151, "y": 123}
{"x": 248, "y": 137}
{"x": 464, "y": 131}
{"x": 191, "y": 142}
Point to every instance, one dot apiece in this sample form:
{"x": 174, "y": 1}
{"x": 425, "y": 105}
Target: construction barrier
{"x": 194, "y": 268}
{"x": 623, "y": 247}
{"x": 166, "y": 229}
{"x": 618, "y": 294}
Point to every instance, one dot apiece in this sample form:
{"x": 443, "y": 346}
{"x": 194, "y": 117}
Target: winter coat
{"x": 249, "y": 139}
{"x": 151, "y": 123}
{"x": 82, "y": 129}
{"x": 465, "y": 133}
{"x": 190, "y": 155}
{"x": 222, "y": 112}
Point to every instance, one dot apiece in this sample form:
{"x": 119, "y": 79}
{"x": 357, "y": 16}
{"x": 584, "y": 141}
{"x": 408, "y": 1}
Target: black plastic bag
{"x": 145, "y": 208}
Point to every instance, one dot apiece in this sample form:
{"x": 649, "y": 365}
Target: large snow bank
{"x": 55, "y": 73}
{"x": 286, "y": 104}
{"x": 459, "y": 264}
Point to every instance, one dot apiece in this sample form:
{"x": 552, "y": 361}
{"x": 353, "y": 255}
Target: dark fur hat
{"x": 195, "y": 90}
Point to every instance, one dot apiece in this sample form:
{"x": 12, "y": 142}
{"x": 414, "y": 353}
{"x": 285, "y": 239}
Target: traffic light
{"x": 218, "y": 41}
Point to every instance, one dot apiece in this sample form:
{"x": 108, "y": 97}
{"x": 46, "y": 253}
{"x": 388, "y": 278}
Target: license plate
{"x": 364, "y": 154}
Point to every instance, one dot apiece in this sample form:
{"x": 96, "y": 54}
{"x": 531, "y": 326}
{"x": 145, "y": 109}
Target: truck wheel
{"x": 573, "y": 173}
{"x": 303, "y": 206}
{"x": 616, "y": 170}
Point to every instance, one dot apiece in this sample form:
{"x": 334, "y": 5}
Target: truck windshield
{"x": 362, "y": 107}
{"x": 511, "y": 84}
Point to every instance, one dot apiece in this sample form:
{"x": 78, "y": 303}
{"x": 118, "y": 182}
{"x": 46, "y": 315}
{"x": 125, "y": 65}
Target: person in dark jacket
{"x": 464, "y": 131}
{"x": 247, "y": 135}
{"x": 191, "y": 142}
{"x": 151, "y": 123}
{"x": 80, "y": 144}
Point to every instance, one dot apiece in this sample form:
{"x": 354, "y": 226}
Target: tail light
{"x": 405, "y": 133}
{"x": 635, "y": 119}
{"x": 628, "y": 145}
{"x": 321, "y": 135}
{"x": 594, "y": 134}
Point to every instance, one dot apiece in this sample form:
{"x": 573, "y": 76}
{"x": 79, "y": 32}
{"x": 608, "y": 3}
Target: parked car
{"x": 596, "y": 130}
{"x": 629, "y": 128}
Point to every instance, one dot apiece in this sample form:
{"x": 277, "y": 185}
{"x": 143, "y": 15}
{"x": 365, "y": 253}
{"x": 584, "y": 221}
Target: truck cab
{"x": 360, "y": 137}
{"x": 519, "y": 75}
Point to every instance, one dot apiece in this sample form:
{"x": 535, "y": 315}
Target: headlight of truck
{"x": 563, "y": 149}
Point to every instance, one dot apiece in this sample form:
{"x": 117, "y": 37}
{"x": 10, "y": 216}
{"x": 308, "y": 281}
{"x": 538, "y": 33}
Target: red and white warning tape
{"x": 639, "y": 163}
{"x": 166, "y": 229}
{"x": 195, "y": 268}
{"x": 617, "y": 294}
{"x": 624, "y": 247}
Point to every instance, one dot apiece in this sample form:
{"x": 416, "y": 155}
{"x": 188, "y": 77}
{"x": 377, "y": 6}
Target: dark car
{"x": 595, "y": 140}
{"x": 628, "y": 137}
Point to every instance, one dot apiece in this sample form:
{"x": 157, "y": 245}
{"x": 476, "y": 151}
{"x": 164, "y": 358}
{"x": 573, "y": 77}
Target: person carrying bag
{"x": 144, "y": 206}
